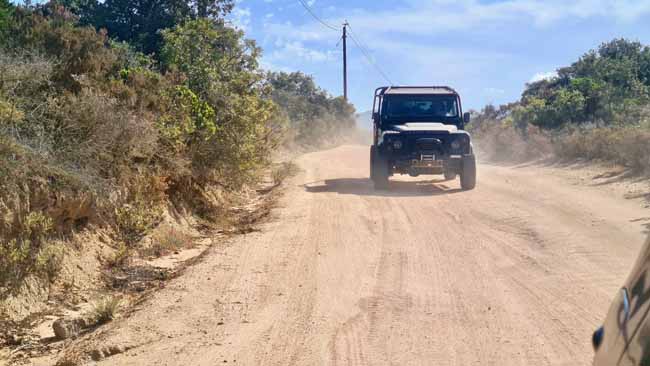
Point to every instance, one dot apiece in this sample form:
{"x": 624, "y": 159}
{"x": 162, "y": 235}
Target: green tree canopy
{"x": 139, "y": 22}
{"x": 6, "y": 10}
{"x": 221, "y": 68}
{"x": 606, "y": 85}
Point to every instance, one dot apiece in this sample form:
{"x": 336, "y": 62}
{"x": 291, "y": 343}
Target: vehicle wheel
{"x": 379, "y": 172}
{"x": 468, "y": 173}
{"x": 450, "y": 175}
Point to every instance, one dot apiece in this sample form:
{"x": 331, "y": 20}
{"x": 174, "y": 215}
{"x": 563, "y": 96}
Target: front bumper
{"x": 426, "y": 165}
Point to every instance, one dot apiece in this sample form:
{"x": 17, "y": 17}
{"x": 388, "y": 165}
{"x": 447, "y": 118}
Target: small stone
{"x": 67, "y": 328}
{"x": 97, "y": 354}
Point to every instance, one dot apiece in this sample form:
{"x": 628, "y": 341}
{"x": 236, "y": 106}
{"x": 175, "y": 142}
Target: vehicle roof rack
{"x": 430, "y": 89}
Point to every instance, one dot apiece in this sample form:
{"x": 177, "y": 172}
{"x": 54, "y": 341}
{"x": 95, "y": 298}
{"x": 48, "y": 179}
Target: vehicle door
{"x": 625, "y": 337}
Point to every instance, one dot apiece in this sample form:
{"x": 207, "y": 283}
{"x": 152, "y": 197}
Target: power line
{"x": 311, "y": 12}
{"x": 366, "y": 53}
{"x": 368, "y": 57}
{"x": 360, "y": 45}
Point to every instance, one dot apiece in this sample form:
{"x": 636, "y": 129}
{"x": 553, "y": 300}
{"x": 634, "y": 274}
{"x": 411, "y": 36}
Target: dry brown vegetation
{"x": 168, "y": 239}
{"x": 626, "y": 146}
{"x": 104, "y": 310}
{"x": 629, "y": 147}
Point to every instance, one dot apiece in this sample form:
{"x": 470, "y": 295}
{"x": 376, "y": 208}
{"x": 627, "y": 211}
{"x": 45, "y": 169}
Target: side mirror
{"x": 375, "y": 116}
{"x": 467, "y": 117}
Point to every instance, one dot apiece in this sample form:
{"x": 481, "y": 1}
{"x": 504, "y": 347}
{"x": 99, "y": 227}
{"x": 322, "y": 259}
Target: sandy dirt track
{"x": 517, "y": 272}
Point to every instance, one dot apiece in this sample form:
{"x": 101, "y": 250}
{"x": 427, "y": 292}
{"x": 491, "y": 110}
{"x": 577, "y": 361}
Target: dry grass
{"x": 105, "y": 310}
{"x": 626, "y": 146}
{"x": 167, "y": 240}
{"x": 120, "y": 257}
{"x": 283, "y": 171}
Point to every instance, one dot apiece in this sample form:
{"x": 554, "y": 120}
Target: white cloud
{"x": 543, "y": 76}
{"x": 424, "y": 17}
{"x": 287, "y": 30}
{"x": 296, "y": 51}
{"x": 241, "y": 18}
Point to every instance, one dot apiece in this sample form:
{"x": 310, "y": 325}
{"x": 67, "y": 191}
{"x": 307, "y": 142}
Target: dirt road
{"x": 517, "y": 272}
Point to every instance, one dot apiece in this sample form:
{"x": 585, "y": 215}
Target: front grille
{"x": 428, "y": 144}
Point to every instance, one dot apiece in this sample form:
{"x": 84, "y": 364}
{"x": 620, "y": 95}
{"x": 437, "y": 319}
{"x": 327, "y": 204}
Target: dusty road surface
{"x": 517, "y": 272}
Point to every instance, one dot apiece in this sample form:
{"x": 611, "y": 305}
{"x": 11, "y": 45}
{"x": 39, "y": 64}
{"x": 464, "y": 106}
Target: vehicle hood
{"x": 424, "y": 126}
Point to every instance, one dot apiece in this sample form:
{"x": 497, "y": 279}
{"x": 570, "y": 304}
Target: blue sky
{"x": 486, "y": 49}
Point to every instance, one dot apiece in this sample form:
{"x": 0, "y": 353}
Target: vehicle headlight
{"x": 460, "y": 143}
{"x": 397, "y": 144}
{"x": 456, "y": 144}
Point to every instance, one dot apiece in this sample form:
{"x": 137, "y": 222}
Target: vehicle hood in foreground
{"x": 424, "y": 126}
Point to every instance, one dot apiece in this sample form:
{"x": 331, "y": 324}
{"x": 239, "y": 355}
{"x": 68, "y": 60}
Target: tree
{"x": 212, "y": 8}
{"x": 212, "y": 56}
{"x": 6, "y": 11}
{"x": 139, "y": 22}
{"x": 221, "y": 69}
{"x": 605, "y": 85}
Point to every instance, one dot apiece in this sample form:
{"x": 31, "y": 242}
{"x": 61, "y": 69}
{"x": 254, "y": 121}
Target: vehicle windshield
{"x": 425, "y": 108}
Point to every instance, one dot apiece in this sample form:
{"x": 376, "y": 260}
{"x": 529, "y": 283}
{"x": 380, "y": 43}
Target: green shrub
{"x": 134, "y": 221}
{"x": 228, "y": 119}
{"x": 23, "y": 249}
{"x": 6, "y": 12}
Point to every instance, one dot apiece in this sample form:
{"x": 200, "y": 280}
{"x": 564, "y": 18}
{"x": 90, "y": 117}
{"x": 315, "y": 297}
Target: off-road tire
{"x": 468, "y": 173}
{"x": 379, "y": 172}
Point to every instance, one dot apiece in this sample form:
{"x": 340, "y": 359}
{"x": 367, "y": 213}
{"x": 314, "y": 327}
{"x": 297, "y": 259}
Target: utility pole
{"x": 345, "y": 61}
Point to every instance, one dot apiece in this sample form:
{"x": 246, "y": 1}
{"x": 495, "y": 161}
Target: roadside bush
{"x": 500, "y": 140}
{"x": 27, "y": 252}
{"x": 232, "y": 133}
{"x": 623, "y": 145}
{"x": 134, "y": 221}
